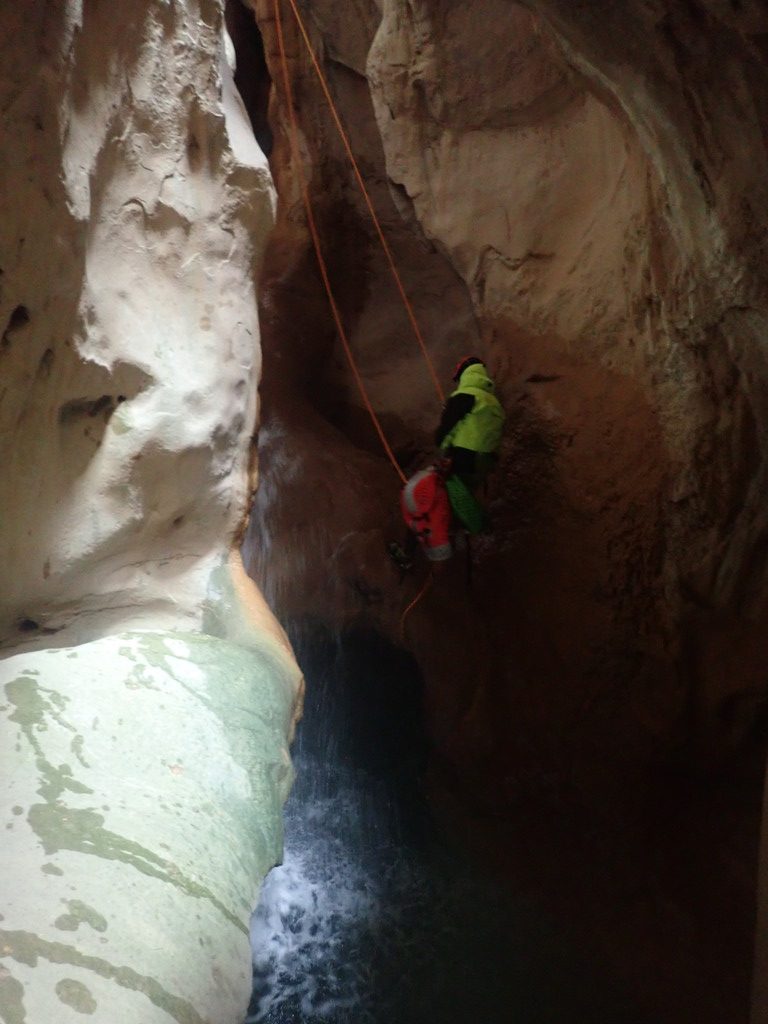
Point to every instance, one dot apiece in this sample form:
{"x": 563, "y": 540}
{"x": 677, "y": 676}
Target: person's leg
{"x": 466, "y": 508}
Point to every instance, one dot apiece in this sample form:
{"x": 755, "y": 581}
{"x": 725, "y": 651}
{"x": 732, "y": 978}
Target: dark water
{"x": 374, "y": 918}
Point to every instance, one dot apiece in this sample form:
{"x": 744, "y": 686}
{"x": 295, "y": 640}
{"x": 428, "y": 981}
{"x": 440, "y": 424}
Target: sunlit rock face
{"x": 146, "y": 694}
{"x": 579, "y": 193}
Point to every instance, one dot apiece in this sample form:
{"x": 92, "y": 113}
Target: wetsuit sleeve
{"x": 455, "y": 409}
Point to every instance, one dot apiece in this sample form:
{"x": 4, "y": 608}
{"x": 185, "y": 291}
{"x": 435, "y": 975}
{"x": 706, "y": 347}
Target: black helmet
{"x": 462, "y": 365}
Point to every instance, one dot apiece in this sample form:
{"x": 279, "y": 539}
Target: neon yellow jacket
{"x": 480, "y": 430}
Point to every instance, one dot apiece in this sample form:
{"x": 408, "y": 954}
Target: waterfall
{"x": 374, "y": 917}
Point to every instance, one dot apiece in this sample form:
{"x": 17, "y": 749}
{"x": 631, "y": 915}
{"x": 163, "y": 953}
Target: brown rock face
{"x": 578, "y": 192}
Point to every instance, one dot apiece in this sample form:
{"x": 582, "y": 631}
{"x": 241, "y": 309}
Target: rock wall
{"x": 146, "y": 692}
{"x": 579, "y": 193}
{"x": 610, "y": 244}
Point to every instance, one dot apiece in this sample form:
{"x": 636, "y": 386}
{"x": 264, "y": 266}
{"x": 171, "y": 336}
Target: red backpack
{"x": 427, "y": 512}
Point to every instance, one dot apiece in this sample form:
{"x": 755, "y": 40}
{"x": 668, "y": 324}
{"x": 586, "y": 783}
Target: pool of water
{"x": 374, "y": 917}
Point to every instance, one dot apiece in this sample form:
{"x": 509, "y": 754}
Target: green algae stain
{"x": 11, "y": 999}
{"x": 30, "y": 706}
{"x": 51, "y": 869}
{"x": 80, "y": 913}
{"x": 55, "y": 781}
{"x": 77, "y": 749}
{"x": 59, "y": 827}
{"x": 140, "y": 679}
{"x": 27, "y": 948}
{"x": 33, "y": 705}
{"x": 75, "y": 994}
{"x": 157, "y": 654}
{"x": 64, "y": 828}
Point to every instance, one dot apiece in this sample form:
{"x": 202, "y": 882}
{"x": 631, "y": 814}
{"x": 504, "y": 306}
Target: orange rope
{"x": 369, "y": 203}
{"x": 414, "y": 602}
{"x": 318, "y": 248}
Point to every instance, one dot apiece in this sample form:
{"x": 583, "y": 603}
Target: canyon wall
{"x": 578, "y": 193}
{"x": 146, "y": 692}
{"x": 600, "y": 188}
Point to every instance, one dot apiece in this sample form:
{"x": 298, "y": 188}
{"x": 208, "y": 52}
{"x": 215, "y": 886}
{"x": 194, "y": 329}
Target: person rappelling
{"x": 470, "y": 429}
{"x": 471, "y": 426}
{"x": 469, "y": 437}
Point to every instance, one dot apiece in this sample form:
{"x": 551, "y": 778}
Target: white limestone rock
{"x": 133, "y": 213}
{"x": 147, "y": 694}
{"x": 143, "y": 776}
